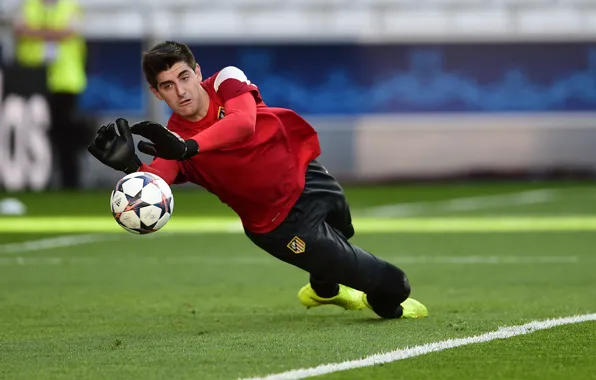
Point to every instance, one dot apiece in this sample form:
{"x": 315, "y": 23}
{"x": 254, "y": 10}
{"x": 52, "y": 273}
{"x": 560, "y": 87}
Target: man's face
{"x": 179, "y": 87}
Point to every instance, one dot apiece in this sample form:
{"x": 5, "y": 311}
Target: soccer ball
{"x": 142, "y": 203}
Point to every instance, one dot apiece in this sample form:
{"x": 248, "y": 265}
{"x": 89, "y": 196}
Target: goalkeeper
{"x": 260, "y": 161}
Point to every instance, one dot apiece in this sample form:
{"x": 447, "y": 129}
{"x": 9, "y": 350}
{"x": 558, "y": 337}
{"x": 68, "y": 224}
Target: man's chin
{"x": 184, "y": 111}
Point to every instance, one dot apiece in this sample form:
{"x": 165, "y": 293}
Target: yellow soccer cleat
{"x": 348, "y": 298}
{"x": 412, "y": 308}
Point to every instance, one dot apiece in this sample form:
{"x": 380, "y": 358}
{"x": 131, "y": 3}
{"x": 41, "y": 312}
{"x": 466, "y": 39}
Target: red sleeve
{"x": 238, "y": 124}
{"x": 168, "y": 170}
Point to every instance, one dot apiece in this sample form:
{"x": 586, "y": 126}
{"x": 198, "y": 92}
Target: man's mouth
{"x": 185, "y": 102}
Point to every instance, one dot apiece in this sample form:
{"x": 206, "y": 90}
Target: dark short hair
{"x": 163, "y": 56}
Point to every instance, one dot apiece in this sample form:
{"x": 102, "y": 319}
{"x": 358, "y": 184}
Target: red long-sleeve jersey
{"x": 251, "y": 156}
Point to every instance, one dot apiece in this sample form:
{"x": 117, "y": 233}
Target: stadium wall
{"x": 395, "y": 110}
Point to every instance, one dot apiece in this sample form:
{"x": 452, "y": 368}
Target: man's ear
{"x": 155, "y": 92}
{"x": 198, "y": 72}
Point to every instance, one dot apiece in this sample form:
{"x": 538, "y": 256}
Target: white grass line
{"x": 54, "y": 242}
{"x": 410, "y": 352}
{"x": 463, "y": 204}
{"x": 266, "y": 260}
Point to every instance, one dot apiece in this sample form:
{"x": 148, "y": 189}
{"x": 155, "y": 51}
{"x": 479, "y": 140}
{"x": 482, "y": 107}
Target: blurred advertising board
{"x": 25, "y": 148}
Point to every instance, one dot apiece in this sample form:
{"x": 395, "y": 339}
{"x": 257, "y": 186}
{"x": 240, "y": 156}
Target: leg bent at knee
{"x": 393, "y": 289}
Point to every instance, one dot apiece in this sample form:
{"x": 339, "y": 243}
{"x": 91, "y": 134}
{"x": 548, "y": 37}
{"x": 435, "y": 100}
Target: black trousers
{"x": 315, "y": 238}
{"x": 67, "y": 137}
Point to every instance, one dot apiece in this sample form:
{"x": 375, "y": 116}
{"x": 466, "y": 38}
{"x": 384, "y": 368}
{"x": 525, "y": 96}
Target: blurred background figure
{"x": 48, "y": 34}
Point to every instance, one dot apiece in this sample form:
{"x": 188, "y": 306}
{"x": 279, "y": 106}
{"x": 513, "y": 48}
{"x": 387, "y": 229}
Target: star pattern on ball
{"x": 142, "y": 203}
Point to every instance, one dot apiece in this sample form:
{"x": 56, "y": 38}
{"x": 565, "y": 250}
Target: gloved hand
{"x": 116, "y": 150}
{"x": 164, "y": 144}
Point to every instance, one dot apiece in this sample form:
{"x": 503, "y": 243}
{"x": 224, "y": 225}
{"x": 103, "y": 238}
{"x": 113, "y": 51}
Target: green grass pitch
{"x": 198, "y": 301}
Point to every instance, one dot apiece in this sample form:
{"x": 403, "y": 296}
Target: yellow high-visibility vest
{"x": 66, "y": 71}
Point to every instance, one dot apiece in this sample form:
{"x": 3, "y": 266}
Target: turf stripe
{"x": 410, "y": 352}
{"x": 363, "y": 225}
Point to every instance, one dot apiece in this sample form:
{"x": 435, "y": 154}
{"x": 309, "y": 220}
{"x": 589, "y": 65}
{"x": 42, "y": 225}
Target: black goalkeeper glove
{"x": 113, "y": 150}
{"x": 164, "y": 144}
